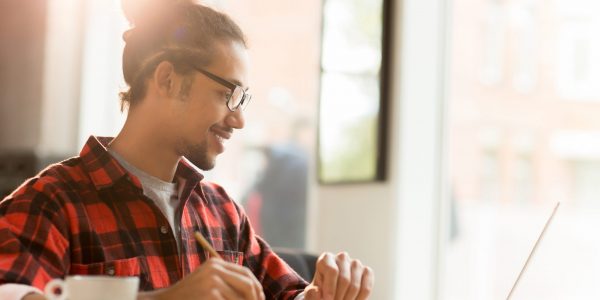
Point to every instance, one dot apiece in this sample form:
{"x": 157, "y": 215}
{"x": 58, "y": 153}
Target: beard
{"x": 197, "y": 154}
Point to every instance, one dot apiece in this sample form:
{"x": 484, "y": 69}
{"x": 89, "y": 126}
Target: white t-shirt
{"x": 164, "y": 194}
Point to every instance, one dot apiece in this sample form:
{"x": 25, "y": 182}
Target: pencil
{"x": 202, "y": 241}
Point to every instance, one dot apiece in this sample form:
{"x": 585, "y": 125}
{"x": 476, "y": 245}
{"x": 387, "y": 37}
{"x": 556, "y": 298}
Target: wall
{"x": 358, "y": 219}
{"x": 394, "y": 226}
{"x": 21, "y": 67}
{"x": 35, "y": 114}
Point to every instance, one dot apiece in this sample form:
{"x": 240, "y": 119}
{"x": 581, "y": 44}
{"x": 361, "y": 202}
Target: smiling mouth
{"x": 220, "y": 139}
{"x": 221, "y": 134}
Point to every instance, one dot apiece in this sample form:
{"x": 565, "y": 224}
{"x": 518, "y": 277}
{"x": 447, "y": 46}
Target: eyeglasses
{"x": 237, "y": 98}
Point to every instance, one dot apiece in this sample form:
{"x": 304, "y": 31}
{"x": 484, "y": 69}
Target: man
{"x": 129, "y": 206}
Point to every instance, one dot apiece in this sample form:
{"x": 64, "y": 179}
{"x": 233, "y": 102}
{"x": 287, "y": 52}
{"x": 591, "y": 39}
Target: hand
{"x": 340, "y": 278}
{"x": 34, "y": 296}
{"x": 215, "y": 279}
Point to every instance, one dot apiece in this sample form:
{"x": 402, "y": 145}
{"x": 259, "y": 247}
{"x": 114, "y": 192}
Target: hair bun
{"x": 140, "y": 11}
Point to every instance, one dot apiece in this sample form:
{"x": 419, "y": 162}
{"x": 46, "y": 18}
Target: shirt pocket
{"x": 118, "y": 267}
{"x": 235, "y": 257}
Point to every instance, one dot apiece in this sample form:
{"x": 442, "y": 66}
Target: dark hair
{"x": 180, "y": 31}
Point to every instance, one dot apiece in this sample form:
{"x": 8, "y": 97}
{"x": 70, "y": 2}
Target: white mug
{"x": 92, "y": 288}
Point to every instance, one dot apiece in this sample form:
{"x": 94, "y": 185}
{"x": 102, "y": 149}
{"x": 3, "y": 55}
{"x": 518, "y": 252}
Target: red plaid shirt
{"x": 88, "y": 215}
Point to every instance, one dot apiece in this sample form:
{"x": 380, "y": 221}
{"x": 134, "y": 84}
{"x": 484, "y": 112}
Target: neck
{"x": 139, "y": 146}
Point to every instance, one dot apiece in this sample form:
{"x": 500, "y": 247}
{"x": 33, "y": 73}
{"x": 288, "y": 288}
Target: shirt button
{"x": 110, "y": 271}
{"x": 164, "y": 229}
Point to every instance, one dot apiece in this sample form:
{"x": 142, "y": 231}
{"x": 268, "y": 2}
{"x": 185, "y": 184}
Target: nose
{"x": 235, "y": 119}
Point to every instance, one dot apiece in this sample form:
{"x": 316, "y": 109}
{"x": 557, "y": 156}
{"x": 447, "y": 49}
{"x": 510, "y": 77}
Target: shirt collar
{"x": 105, "y": 170}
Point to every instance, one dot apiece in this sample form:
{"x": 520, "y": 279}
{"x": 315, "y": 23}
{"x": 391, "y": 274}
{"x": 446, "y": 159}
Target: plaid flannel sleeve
{"x": 34, "y": 236}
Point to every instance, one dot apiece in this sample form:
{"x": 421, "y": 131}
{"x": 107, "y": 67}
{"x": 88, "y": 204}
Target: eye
{"x": 223, "y": 94}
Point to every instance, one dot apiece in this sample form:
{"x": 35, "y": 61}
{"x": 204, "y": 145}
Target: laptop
{"x": 532, "y": 253}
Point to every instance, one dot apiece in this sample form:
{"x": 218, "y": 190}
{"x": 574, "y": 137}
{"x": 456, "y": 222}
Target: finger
{"x": 312, "y": 293}
{"x": 328, "y": 269}
{"x": 317, "y": 282}
{"x": 241, "y": 283}
{"x": 318, "y": 279}
{"x": 216, "y": 295}
{"x": 357, "y": 270}
{"x": 367, "y": 283}
{"x": 343, "y": 281}
{"x": 223, "y": 290}
{"x": 257, "y": 286}
{"x": 214, "y": 274}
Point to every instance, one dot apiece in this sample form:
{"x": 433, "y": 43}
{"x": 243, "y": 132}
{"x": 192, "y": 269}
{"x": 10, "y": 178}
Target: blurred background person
{"x": 277, "y": 202}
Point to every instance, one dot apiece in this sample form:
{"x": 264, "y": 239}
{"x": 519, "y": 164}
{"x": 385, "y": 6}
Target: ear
{"x": 165, "y": 78}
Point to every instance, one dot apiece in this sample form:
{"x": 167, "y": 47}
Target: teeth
{"x": 219, "y": 138}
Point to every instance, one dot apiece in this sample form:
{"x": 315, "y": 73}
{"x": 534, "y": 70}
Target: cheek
{"x": 200, "y": 113}
{"x": 197, "y": 124}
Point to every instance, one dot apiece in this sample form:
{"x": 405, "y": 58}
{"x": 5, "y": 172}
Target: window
{"x": 536, "y": 147}
{"x": 352, "y": 118}
{"x": 102, "y": 75}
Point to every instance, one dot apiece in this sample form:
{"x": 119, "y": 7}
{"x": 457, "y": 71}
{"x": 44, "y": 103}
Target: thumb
{"x": 312, "y": 293}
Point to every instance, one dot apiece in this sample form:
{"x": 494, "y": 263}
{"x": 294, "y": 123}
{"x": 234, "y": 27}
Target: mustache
{"x": 226, "y": 129}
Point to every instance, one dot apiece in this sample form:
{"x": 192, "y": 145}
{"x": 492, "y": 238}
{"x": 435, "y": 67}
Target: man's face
{"x": 202, "y": 121}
